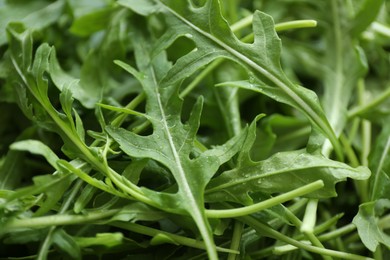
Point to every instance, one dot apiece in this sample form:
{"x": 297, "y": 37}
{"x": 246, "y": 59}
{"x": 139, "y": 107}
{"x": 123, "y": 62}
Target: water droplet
{"x": 247, "y": 175}
{"x": 252, "y": 78}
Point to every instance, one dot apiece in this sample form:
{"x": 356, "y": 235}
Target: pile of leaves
{"x": 194, "y": 129}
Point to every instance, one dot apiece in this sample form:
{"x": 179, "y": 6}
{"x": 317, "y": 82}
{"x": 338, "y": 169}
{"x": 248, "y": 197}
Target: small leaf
{"x": 66, "y": 243}
{"x": 161, "y": 239}
{"x": 145, "y": 7}
{"x": 366, "y": 14}
{"x": 92, "y": 22}
{"x": 138, "y": 212}
{"x": 64, "y": 81}
{"x": 30, "y": 14}
{"x": 37, "y": 147}
{"x": 107, "y": 240}
{"x": 367, "y": 224}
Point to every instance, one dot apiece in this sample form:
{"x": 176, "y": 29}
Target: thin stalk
{"x": 58, "y": 220}
{"x": 378, "y": 172}
{"x": 366, "y": 144}
{"x": 131, "y": 105}
{"x": 334, "y": 113}
{"x": 310, "y": 218}
{"x": 307, "y": 226}
{"x": 349, "y": 151}
{"x": 236, "y": 239}
{"x": 337, "y": 232}
{"x": 266, "y": 230}
{"x": 45, "y": 246}
{"x": 238, "y": 212}
{"x": 152, "y": 232}
{"x": 367, "y": 107}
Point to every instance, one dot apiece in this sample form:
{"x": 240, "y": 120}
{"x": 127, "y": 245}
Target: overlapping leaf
{"x": 367, "y": 223}
{"x": 346, "y": 65}
{"x": 172, "y": 142}
{"x": 281, "y": 172}
{"x": 214, "y": 39}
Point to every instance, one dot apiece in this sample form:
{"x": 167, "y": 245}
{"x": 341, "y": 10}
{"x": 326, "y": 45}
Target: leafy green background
{"x": 199, "y": 129}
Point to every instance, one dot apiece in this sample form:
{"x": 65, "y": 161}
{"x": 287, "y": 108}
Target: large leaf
{"x": 346, "y": 65}
{"x": 172, "y": 142}
{"x": 214, "y": 39}
{"x": 281, "y": 172}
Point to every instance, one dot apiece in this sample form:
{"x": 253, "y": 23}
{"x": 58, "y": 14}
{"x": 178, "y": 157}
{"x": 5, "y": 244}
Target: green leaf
{"x": 214, "y": 39}
{"x": 62, "y": 80}
{"x": 161, "y": 239}
{"x": 91, "y": 22}
{"x": 171, "y": 142}
{"x": 146, "y": 7}
{"x": 380, "y": 166}
{"x": 368, "y": 226}
{"x": 37, "y": 147}
{"x": 66, "y": 243}
{"x": 281, "y": 172}
{"x": 30, "y": 14}
{"x": 366, "y": 14}
{"x": 346, "y": 64}
{"x": 107, "y": 240}
{"x": 138, "y": 212}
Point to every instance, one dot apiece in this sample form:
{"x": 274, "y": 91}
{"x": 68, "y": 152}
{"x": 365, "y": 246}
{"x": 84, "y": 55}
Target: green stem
{"x": 366, "y": 144}
{"x": 247, "y": 21}
{"x": 307, "y": 226}
{"x": 337, "y": 232}
{"x": 367, "y": 107}
{"x": 58, "y": 220}
{"x": 266, "y": 230}
{"x": 310, "y": 218}
{"x": 349, "y": 151}
{"x": 295, "y": 25}
{"x": 43, "y": 251}
{"x": 238, "y": 212}
{"x": 185, "y": 241}
{"x": 236, "y": 239}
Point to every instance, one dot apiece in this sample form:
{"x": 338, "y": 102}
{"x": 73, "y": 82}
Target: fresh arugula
{"x": 199, "y": 129}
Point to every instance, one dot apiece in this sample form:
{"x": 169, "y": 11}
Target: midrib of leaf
{"x": 269, "y": 75}
{"x": 334, "y": 113}
{"x": 195, "y": 211}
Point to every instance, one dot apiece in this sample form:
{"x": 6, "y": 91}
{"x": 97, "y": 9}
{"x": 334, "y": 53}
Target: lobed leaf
{"x": 282, "y": 172}
{"x": 172, "y": 141}
{"x": 367, "y": 224}
{"x": 214, "y": 39}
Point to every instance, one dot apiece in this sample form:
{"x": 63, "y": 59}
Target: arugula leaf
{"x": 29, "y": 13}
{"x": 214, "y": 39}
{"x": 347, "y": 64}
{"x": 169, "y": 162}
{"x": 366, "y": 14}
{"x": 171, "y": 142}
{"x": 380, "y": 166}
{"x": 281, "y": 172}
{"x": 367, "y": 224}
